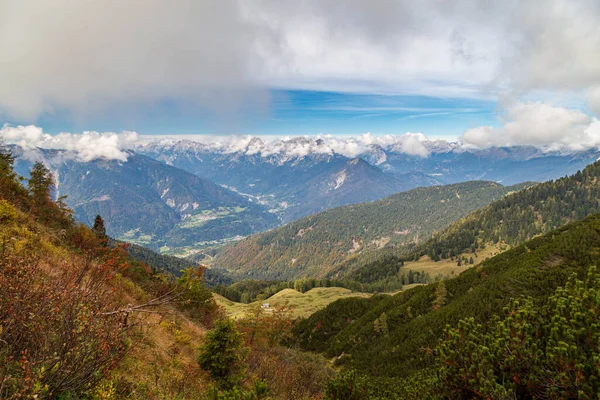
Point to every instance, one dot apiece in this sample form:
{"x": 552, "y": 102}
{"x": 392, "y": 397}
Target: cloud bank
{"x": 85, "y": 147}
{"x": 534, "y": 124}
{"x": 541, "y": 125}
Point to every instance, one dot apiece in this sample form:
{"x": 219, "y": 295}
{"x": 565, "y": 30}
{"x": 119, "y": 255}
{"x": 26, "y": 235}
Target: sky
{"x": 483, "y": 72}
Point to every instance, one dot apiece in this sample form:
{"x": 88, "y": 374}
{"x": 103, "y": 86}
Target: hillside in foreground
{"x": 315, "y": 245}
{"x": 80, "y": 319}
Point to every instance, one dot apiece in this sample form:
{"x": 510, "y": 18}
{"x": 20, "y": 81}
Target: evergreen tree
{"x": 222, "y": 354}
{"x": 10, "y": 187}
{"x": 99, "y": 229}
{"x": 40, "y": 183}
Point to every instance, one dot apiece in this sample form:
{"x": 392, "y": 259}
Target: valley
{"x": 317, "y": 245}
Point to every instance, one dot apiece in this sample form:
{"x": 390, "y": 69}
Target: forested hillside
{"x": 523, "y": 215}
{"x": 398, "y": 337}
{"x": 507, "y": 222}
{"x": 313, "y": 246}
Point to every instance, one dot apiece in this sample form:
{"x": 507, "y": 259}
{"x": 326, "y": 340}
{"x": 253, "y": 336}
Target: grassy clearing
{"x": 136, "y": 236}
{"x": 300, "y": 304}
{"x": 204, "y": 216}
{"x": 450, "y": 268}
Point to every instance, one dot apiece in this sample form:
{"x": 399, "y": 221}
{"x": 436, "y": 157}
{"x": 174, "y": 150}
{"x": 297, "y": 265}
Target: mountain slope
{"x": 354, "y": 181}
{"x": 314, "y": 245}
{"x": 509, "y": 221}
{"x": 149, "y": 203}
{"x": 416, "y": 319}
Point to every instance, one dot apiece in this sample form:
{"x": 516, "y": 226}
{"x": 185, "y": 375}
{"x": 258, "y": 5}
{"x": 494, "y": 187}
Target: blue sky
{"x": 292, "y": 112}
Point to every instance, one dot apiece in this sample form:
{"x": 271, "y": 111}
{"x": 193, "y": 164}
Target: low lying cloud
{"x": 86, "y": 146}
{"x": 535, "y": 124}
{"x": 540, "y": 125}
{"x": 414, "y": 144}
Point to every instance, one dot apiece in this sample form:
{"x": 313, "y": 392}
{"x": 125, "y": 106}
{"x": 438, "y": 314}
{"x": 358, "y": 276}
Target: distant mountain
{"x": 506, "y": 165}
{"x": 292, "y": 185}
{"x": 313, "y": 246}
{"x": 281, "y": 174}
{"x": 354, "y": 181}
{"x": 149, "y": 203}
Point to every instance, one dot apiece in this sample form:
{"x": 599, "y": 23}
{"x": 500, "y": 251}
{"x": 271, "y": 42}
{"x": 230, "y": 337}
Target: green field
{"x": 299, "y": 304}
{"x": 137, "y": 237}
{"x": 203, "y": 217}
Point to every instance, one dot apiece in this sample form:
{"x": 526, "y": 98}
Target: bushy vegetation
{"x": 69, "y": 303}
{"x": 59, "y": 331}
{"x": 247, "y": 362}
{"x": 548, "y": 351}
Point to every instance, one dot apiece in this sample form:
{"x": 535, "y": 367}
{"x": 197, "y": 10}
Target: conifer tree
{"x": 99, "y": 229}
{"x": 222, "y": 354}
{"x": 40, "y": 185}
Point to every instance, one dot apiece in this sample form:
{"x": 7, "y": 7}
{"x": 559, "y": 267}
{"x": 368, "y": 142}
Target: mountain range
{"x": 286, "y": 175}
{"x": 181, "y": 197}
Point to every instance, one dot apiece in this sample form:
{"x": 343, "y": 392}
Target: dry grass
{"x": 450, "y": 268}
{"x": 300, "y": 304}
{"x": 162, "y": 361}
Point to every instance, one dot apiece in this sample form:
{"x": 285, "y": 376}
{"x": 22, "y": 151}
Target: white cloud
{"x": 86, "y": 56}
{"x": 483, "y": 137}
{"x": 412, "y": 144}
{"x": 541, "y": 125}
{"x": 85, "y": 147}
